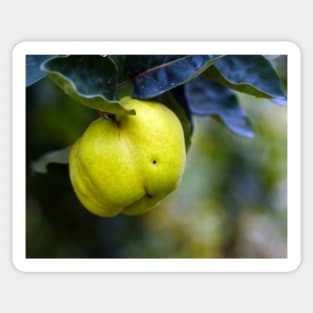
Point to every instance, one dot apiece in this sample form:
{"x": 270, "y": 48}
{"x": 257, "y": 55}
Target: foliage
{"x": 204, "y": 85}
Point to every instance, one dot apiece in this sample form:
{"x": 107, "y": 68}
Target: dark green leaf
{"x": 89, "y": 79}
{"x": 137, "y": 64}
{"x": 124, "y": 89}
{"x": 58, "y": 156}
{"x": 119, "y": 61}
{"x": 153, "y": 78}
{"x": 33, "y": 71}
{"x": 125, "y": 86}
{"x": 131, "y": 65}
{"x": 208, "y": 98}
{"x": 280, "y": 64}
{"x": 251, "y": 74}
{"x": 180, "y": 96}
{"x": 185, "y": 118}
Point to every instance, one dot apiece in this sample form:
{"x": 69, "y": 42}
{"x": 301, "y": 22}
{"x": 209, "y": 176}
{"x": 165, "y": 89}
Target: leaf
{"x": 153, "y": 78}
{"x": 125, "y": 86}
{"x": 60, "y": 156}
{"x": 251, "y": 74}
{"x": 89, "y": 79}
{"x": 124, "y": 89}
{"x": 33, "y": 71}
{"x": 137, "y": 64}
{"x": 280, "y": 62}
{"x": 206, "y": 97}
{"x": 180, "y": 96}
{"x": 181, "y": 112}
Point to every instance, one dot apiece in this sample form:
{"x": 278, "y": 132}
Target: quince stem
{"x": 107, "y": 116}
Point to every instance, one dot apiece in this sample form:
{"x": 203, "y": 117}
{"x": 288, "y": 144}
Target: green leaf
{"x": 124, "y": 89}
{"x": 207, "y": 98}
{"x": 279, "y": 62}
{"x": 154, "y": 75}
{"x": 125, "y": 86}
{"x": 89, "y": 79}
{"x": 120, "y": 62}
{"x": 169, "y": 100}
{"x": 180, "y": 96}
{"x": 33, "y": 71}
{"x": 137, "y": 64}
{"x": 60, "y": 156}
{"x": 250, "y": 74}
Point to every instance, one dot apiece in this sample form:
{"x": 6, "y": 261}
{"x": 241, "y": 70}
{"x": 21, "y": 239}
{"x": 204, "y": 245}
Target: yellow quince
{"x": 128, "y": 164}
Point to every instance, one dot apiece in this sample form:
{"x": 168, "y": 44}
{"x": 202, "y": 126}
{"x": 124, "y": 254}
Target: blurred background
{"x": 231, "y": 203}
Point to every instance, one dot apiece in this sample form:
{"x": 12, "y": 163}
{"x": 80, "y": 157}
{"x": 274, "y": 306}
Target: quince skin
{"x": 128, "y": 164}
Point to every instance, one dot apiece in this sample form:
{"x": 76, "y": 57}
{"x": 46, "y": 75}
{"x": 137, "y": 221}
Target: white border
{"x": 290, "y": 263}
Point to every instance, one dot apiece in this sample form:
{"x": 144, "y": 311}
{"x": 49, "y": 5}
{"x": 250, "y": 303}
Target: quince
{"x": 128, "y": 164}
